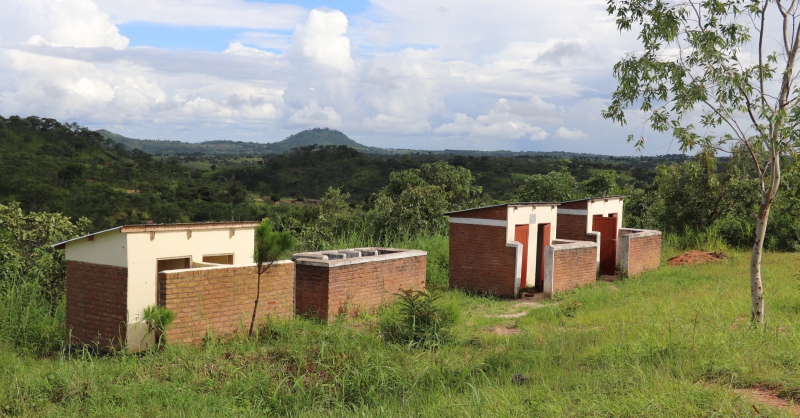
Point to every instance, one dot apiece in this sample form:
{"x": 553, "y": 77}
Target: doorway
{"x": 521, "y": 233}
{"x": 542, "y": 241}
{"x": 607, "y": 227}
{"x": 166, "y": 264}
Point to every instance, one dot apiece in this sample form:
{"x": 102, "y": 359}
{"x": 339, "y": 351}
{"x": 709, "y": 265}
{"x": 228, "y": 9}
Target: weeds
{"x": 418, "y": 322}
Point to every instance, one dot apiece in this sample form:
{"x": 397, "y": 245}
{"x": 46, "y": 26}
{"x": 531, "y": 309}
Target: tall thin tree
{"x": 270, "y": 246}
{"x": 727, "y": 65}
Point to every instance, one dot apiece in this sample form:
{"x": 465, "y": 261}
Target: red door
{"x": 607, "y": 227}
{"x": 521, "y": 236}
{"x": 542, "y": 241}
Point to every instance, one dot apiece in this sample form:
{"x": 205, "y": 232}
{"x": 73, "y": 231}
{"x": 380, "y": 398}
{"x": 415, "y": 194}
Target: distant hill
{"x": 316, "y": 136}
{"x": 326, "y": 136}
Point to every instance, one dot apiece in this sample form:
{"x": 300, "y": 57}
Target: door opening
{"x": 607, "y": 227}
{"x": 542, "y": 241}
{"x": 521, "y": 236}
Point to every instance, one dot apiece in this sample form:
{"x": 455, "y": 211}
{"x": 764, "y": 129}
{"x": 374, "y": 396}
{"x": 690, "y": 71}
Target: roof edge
{"x": 616, "y": 196}
{"x": 163, "y": 227}
{"x": 504, "y": 204}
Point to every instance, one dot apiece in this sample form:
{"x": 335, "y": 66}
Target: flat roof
{"x": 164, "y": 227}
{"x": 505, "y": 204}
{"x": 618, "y": 196}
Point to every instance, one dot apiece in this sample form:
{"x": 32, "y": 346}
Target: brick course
{"x": 221, "y": 298}
{"x": 97, "y": 300}
{"x": 497, "y": 212}
{"x": 480, "y": 259}
{"x": 328, "y": 291}
{"x": 574, "y": 267}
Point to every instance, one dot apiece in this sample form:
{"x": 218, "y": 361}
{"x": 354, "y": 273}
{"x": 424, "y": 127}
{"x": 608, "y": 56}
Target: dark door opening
{"x": 521, "y": 236}
{"x": 169, "y": 264}
{"x": 542, "y": 241}
{"x": 607, "y": 227}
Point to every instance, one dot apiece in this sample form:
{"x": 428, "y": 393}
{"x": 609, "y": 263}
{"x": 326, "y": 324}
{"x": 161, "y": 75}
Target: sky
{"x": 425, "y": 74}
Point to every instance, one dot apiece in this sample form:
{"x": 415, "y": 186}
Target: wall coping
{"x": 219, "y": 267}
{"x": 639, "y": 232}
{"x": 568, "y": 244}
{"x": 316, "y": 259}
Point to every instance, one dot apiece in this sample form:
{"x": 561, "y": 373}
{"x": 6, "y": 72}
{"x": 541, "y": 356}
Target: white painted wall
{"x": 520, "y": 215}
{"x": 108, "y": 248}
{"x": 603, "y": 207}
{"x": 143, "y": 254}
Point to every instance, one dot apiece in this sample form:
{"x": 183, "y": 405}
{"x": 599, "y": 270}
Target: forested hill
{"x": 316, "y": 136}
{"x": 50, "y": 166}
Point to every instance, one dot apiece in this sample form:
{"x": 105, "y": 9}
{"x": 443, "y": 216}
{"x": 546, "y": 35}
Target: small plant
{"x": 418, "y": 322}
{"x": 158, "y": 319}
{"x": 270, "y": 246}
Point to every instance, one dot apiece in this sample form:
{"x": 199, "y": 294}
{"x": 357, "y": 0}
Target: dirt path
{"x": 765, "y": 397}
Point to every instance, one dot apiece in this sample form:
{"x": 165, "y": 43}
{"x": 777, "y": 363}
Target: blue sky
{"x": 429, "y": 74}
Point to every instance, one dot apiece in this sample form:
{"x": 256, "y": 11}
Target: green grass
{"x": 673, "y": 342}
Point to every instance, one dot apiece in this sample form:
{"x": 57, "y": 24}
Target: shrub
{"x": 418, "y": 323}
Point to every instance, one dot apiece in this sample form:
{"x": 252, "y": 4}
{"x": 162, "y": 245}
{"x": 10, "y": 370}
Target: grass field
{"x": 673, "y": 342}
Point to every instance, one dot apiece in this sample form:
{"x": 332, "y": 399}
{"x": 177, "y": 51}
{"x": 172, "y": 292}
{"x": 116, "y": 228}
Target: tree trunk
{"x": 756, "y": 288}
{"x": 255, "y": 307}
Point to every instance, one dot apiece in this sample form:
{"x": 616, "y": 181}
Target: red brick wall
{"x": 326, "y": 292}
{"x": 221, "y": 298}
{"x": 581, "y": 204}
{"x": 572, "y": 227}
{"x": 480, "y": 259}
{"x": 574, "y": 267}
{"x": 497, "y": 212}
{"x": 97, "y": 301}
{"x": 644, "y": 254}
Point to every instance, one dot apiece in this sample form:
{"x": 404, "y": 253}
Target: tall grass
{"x": 28, "y": 321}
{"x": 708, "y": 239}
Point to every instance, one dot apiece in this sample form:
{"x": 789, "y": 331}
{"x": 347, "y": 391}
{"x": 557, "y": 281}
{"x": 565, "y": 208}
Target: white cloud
{"x": 499, "y": 123}
{"x": 215, "y": 13}
{"x": 321, "y": 39}
{"x": 78, "y": 23}
{"x": 314, "y": 115}
{"x": 565, "y": 133}
{"x": 236, "y": 48}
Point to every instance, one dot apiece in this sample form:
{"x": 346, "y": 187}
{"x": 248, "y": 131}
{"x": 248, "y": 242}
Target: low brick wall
{"x": 327, "y": 288}
{"x": 480, "y": 260}
{"x": 221, "y": 298}
{"x": 97, "y": 300}
{"x": 639, "y": 250}
{"x": 569, "y": 264}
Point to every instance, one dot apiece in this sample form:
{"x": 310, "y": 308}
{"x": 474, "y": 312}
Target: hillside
{"x": 316, "y": 136}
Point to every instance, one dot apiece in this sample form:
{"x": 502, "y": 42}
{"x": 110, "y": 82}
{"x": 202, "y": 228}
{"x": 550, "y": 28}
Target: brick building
{"x": 113, "y": 275}
{"x": 348, "y": 282}
{"x": 545, "y": 247}
{"x": 205, "y": 274}
{"x": 502, "y": 249}
{"x": 599, "y": 219}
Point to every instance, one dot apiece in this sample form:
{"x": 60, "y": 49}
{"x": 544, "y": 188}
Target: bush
{"x": 418, "y": 323}
{"x": 28, "y": 320}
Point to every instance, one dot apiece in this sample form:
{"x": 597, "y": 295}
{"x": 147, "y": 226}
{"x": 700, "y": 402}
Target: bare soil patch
{"x": 693, "y": 257}
{"x": 764, "y": 396}
{"x": 505, "y": 330}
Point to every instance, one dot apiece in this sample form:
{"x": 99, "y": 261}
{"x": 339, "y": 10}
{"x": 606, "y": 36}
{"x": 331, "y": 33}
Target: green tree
{"x": 25, "y": 240}
{"x": 555, "y": 186}
{"x": 603, "y": 183}
{"x": 415, "y": 199}
{"x": 701, "y": 57}
{"x": 270, "y": 246}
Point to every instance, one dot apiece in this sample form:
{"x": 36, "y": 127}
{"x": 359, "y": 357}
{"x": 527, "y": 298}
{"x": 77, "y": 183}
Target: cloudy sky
{"x": 429, "y": 74}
